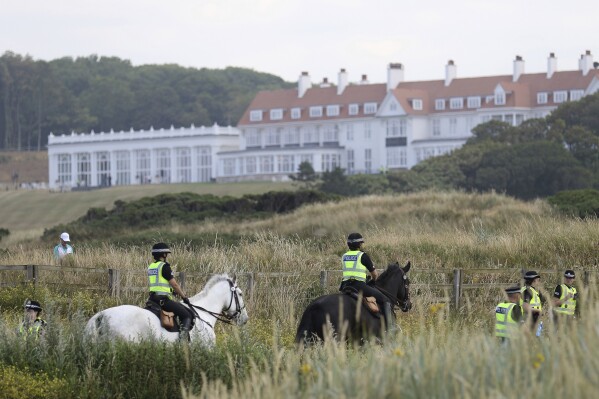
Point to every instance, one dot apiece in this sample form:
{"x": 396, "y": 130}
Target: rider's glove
{"x": 186, "y": 300}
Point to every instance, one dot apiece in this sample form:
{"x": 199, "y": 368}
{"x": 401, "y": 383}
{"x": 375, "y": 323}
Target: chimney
{"x": 364, "y": 80}
{"x": 325, "y": 82}
{"x": 394, "y": 75}
{"x": 518, "y": 68}
{"x": 303, "y": 84}
{"x": 451, "y": 71}
{"x": 586, "y": 62}
{"x": 342, "y": 81}
{"x": 551, "y": 65}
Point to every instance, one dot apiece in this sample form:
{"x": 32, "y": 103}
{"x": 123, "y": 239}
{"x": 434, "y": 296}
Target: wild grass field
{"x": 439, "y": 352}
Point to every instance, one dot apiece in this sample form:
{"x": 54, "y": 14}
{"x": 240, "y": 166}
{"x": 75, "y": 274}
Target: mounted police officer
{"x": 33, "y": 323}
{"x": 162, "y": 284}
{"x": 565, "y": 297}
{"x": 355, "y": 266}
{"x": 532, "y": 299}
{"x": 509, "y": 314}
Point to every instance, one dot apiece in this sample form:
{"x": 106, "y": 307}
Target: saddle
{"x": 368, "y": 301}
{"x": 168, "y": 321}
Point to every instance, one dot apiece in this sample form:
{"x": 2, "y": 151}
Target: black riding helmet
{"x": 33, "y": 305}
{"x": 354, "y": 240}
{"x": 160, "y": 248}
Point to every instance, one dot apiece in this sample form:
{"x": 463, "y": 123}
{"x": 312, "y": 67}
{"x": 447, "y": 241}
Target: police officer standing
{"x": 565, "y": 297}
{"x": 531, "y": 297}
{"x": 162, "y": 284}
{"x": 355, "y": 265}
{"x": 509, "y": 314}
{"x": 33, "y": 323}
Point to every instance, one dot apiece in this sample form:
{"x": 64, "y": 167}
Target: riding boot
{"x": 389, "y": 317}
{"x": 184, "y": 330}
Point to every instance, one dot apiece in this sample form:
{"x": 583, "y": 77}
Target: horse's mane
{"x": 391, "y": 270}
{"x": 217, "y": 278}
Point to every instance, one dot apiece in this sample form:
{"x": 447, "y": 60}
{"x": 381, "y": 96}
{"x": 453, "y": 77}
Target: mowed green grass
{"x": 25, "y": 213}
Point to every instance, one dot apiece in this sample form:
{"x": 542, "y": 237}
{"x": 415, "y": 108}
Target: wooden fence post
{"x": 324, "y": 279}
{"x": 114, "y": 286}
{"x": 32, "y": 273}
{"x": 182, "y": 280}
{"x": 457, "y": 288}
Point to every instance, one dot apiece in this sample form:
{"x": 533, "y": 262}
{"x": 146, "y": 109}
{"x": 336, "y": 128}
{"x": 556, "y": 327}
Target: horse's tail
{"x": 311, "y": 325}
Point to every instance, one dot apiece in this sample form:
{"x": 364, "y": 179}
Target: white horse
{"x": 220, "y": 299}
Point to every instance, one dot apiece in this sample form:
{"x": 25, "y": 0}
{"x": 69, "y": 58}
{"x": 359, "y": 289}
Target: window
{"x": 453, "y": 126}
{"x": 353, "y": 109}
{"x": 163, "y": 166}
{"x": 456, "y": 103}
{"x": 310, "y": 135}
{"x": 473, "y": 102}
{"x": 370, "y": 108}
{"x": 367, "y": 130}
{"x": 292, "y": 136}
{"x": 330, "y": 134}
{"x": 560, "y": 96}
{"x": 368, "y": 160}
{"x": 273, "y": 137}
{"x": 349, "y": 130}
{"x": 397, "y": 157}
{"x": 64, "y": 168}
{"x": 436, "y": 127}
{"x": 315, "y": 112}
{"x": 276, "y": 114}
{"x": 252, "y": 138}
{"x": 123, "y": 168}
{"x": 332, "y": 110}
{"x": 396, "y": 128}
{"x": 183, "y": 165}
{"x": 229, "y": 166}
{"x": 417, "y": 104}
{"x": 500, "y": 98}
{"x": 204, "y": 161}
{"x": 103, "y": 169}
{"x": 393, "y": 106}
{"x": 143, "y": 166}
{"x": 519, "y": 119}
{"x": 576, "y": 95}
{"x": 542, "y": 98}
{"x": 330, "y": 161}
{"x": 439, "y": 104}
{"x": 307, "y": 158}
{"x": 266, "y": 164}
{"x": 84, "y": 174}
{"x": 250, "y": 165}
{"x": 285, "y": 163}
{"x": 256, "y": 116}
{"x": 350, "y": 161}
{"x": 296, "y": 113}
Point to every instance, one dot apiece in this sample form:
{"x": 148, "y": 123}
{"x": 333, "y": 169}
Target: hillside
{"x": 31, "y": 166}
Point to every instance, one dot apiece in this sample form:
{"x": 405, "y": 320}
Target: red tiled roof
{"x": 519, "y": 94}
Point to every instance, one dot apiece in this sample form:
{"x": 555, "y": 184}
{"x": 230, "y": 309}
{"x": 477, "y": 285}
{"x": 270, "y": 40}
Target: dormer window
{"x": 315, "y": 112}
{"x": 276, "y": 114}
{"x": 417, "y": 104}
{"x": 353, "y": 109}
{"x": 542, "y": 98}
{"x": 370, "y": 108}
{"x": 499, "y": 98}
{"x": 456, "y": 103}
{"x": 332, "y": 110}
{"x": 560, "y": 96}
{"x": 576, "y": 95}
{"x": 256, "y": 115}
{"x": 296, "y": 113}
{"x": 473, "y": 102}
{"x": 439, "y": 104}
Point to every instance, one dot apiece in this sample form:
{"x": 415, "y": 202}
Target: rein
{"x": 225, "y": 318}
{"x": 396, "y": 301}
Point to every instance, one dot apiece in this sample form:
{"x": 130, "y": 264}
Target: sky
{"x": 286, "y": 37}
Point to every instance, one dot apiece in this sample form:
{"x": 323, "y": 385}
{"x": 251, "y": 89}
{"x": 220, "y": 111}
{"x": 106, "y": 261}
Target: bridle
{"x": 223, "y": 316}
{"x": 404, "y": 304}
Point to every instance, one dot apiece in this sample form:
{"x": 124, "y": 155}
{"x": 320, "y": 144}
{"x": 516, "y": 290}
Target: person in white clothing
{"x": 64, "y": 248}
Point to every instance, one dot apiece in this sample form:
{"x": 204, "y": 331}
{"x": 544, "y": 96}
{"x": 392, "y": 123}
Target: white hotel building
{"x": 363, "y": 128}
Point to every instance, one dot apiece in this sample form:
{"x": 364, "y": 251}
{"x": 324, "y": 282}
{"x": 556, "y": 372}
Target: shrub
{"x": 579, "y": 203}
{"x": 24, "y": 384}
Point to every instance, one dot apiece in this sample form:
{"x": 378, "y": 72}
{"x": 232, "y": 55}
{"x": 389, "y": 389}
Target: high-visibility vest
{"x": 353, "y": 267}
{"x": 535, "y": 300}
{"x": 30, "y": 328}
{"x": 505, "y": 325}
{"x": 568, "y": 307}
{"x": 158, "y": 284}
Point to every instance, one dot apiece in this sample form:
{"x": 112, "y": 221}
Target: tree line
{"x": 102, "y": 93}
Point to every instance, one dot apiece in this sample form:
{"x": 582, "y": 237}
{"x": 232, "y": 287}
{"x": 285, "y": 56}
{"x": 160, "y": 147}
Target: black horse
{"x": 351, "y": 320}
